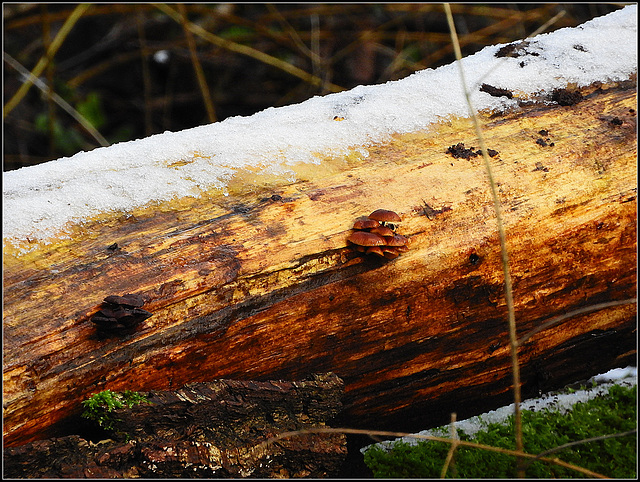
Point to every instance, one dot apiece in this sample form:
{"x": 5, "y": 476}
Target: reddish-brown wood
{"x": 262, "y": 284}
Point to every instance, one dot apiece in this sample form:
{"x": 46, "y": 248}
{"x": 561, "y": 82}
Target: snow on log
{"x": 247, "y": 272}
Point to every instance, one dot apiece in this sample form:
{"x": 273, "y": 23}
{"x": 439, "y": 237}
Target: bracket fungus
{"x": 120, "y": 314}
{"x": 376, "y": 235}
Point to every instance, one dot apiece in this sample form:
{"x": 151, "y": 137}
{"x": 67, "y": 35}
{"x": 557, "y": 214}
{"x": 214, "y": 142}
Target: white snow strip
{"x": 39, "y": 200}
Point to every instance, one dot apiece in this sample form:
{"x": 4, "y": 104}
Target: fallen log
{"x": 262, "y": 284}
{"x": 213, "y": 430}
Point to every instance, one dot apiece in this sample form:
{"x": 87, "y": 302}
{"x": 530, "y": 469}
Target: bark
{"x": 212, "y": 430}
{"x": 263, "y": 285}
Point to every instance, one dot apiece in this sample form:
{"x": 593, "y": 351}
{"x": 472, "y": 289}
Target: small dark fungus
{"x": 516, "y": 49}
{"x": 120, "y": 314}
{"x": 496, "y": 91}
{"x": 128, "y": 300}
{"x": 541, "y": 142}
{"x": 459, "y": 151}
{"x": 541, "y": 167}
{"x": 490, "y": 152}
{"x": 565, "y": 97}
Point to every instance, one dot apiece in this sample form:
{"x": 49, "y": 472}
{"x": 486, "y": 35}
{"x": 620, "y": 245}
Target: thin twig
{"x": 249, "y": 51}
{"x": 50, "y": 74}
{"x": 101, "y": 67}
{"x": 146, "y": 74}
{"x": 293, "y": 34}
{"x": 515, "y": 367}
{"x": 46, "y": 58}
{"x": 548, "y": 23}
{"x": 197, "y": 66}
{"x": 315, "y": 47}
{"x": 56, "y": 98}
{"x": 464, "y": 443}
{"x": 449, "y": 461}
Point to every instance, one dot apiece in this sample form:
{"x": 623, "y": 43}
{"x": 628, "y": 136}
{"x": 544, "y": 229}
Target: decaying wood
{"x": 212, "y": 430}
{"x": 262, "y": 285}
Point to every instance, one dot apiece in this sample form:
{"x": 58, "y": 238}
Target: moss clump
{"x": 544, "y": 430}
{"x": 100, "y": 405}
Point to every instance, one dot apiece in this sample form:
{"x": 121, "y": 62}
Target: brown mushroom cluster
{"x": 376, "y": 235}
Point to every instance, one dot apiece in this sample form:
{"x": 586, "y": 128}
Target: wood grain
{"x": 261, "y": 284}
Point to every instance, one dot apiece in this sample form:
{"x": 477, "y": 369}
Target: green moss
{"x": 544, "y": 430}
{"x": 100, "y": 405}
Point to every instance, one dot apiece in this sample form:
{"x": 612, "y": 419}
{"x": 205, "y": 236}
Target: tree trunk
{"x": 212, "y": 430}
{"x": 263, "y": 285}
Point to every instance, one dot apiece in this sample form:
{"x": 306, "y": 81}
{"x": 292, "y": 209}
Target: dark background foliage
{"x": 131, "y": 71}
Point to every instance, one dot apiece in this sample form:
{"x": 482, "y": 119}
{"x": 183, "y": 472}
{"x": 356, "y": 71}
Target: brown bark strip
{"x": 262, "y": 285}
{"x": 211, "y": 430}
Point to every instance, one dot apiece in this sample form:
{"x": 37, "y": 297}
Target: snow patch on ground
{"x": 555, "y": 401}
